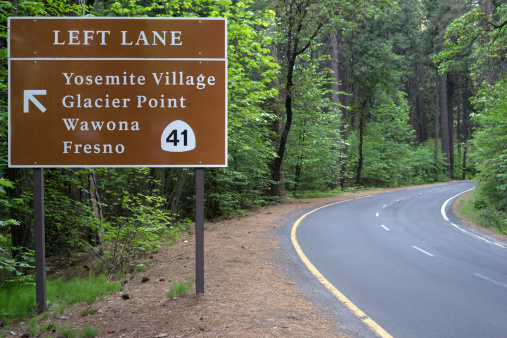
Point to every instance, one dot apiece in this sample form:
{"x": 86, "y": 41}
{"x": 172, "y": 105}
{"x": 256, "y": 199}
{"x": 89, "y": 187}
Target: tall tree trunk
{"x": 178, "y": 189}
{"x": 450, "y": 119}
{"x": 464, "y": 161}
{"x": 293, "y": 50}
{"x": 423, "y": 125}
{"x": 361, "y": 134}
{"x": 465, "y": 126}
{"x": 335, "y": 98}
{"x": 344, "y": 87}
{"x": 339, "y": 97}
{"x": 458, "y": 111}
{"x": 437, "y": 86}
{"x": 444, "y": 120}
{"x": 285, "y": 133}
{"x": 360, "y": 161}
{"x": 299, "y": 163}
{"x": 94, "y": 236}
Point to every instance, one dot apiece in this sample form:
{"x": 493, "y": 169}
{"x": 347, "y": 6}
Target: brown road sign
{"x": 117, "y": 37}
{"x": 85, "y": 100}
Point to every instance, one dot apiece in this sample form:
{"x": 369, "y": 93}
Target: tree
{"x": 300, "y": 22}
{"x": 477, "y": 39}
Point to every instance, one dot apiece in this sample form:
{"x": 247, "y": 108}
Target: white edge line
{"x": 421, "y": 250}
{"x": 491, "y": 280}
{"x": 383, "y": 226}
{"x": 377, "y": 214}
{"x": 444, "y": 215}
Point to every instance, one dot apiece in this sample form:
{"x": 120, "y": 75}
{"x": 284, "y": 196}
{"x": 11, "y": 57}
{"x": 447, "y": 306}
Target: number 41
{"x": 173, "y": 137}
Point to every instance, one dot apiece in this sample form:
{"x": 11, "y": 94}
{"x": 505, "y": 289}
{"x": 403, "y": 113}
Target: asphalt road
{"x": 414, "y": 273}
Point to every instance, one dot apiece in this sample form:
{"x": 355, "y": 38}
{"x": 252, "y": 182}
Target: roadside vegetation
{"x": 17, "y": 300}
{"x": 324, "y": 97}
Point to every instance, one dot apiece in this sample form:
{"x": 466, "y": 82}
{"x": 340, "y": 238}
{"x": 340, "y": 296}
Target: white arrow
{"x": 29, "y": 96}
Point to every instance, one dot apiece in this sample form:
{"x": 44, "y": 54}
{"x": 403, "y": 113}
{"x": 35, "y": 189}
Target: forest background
{"x": 326, "y": 95}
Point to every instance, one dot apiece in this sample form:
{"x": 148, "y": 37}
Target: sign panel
{"x": 117, "y": 92}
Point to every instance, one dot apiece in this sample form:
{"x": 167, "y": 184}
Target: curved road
{"x": 414, "y": 273}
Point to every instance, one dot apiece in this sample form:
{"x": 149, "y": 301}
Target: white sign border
{"x": 226, "y": 84}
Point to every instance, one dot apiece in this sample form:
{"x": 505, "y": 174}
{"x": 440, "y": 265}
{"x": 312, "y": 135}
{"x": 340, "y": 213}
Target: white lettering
{"x": 176, "y": 36}
{"x": 142, "y": 36}
{"x": 70, "y": 123}
{"x": 123, "y": 36}
{"x": 56, "y": 39}
{"x": 88, "y": 35}
{"x": 75, "y": 148}
{"x": 74, "y": 38}
{"x": 103, "y": 33}
{"x": 110, "y": 80}
{"x": 84, "y": 126}
{"x": 77, "y": 101}
{"x": 156, "y": 35}
{"x": 97, "y": 125}
{"x": 161, "y": 102}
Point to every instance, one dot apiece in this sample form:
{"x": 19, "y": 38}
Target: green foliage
{"x": 480, "y": 41}
{"x": 40, "y": 8}
{"x": 479, "y": 210}
{"x": 13, "y": 271}
{"x": 490, "y": 143}
{"x": 139, "y": 229}
{"x": 314, "y": 144}
{"x": 179, "y": 288}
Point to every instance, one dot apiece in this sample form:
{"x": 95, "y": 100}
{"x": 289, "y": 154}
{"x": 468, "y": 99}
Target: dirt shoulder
{"x": 246, "y": 294}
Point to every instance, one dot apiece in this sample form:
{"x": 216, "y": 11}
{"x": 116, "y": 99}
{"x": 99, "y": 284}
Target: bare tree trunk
{"x": 437, "y": 86}
{"x": 335, "y": 99}
{"x": 422, "y": 132}
{"x": 293, "y": 50}
{"x": 361, "y": 134}
{"x": 450, "y": 119}
{"x": 344, "y": 98}
{"x": 94, "y": 236}
{"x": 458, "y": 111}
{"x": 444, "y": 119}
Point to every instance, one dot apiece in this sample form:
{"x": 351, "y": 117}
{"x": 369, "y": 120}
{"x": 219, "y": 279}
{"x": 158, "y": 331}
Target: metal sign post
{"x": 199, "y": 230}
{"x": 40, "y": 241}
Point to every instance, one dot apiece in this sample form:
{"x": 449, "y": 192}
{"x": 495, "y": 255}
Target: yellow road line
{"x": 344, "y": 300}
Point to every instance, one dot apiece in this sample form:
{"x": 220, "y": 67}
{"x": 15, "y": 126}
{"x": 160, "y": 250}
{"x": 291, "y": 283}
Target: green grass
{"x": 68, "y": 331}
{"x": 88, "y": 332}
{"x": 19, "y": 301}
{"x": 180, "y": 288}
